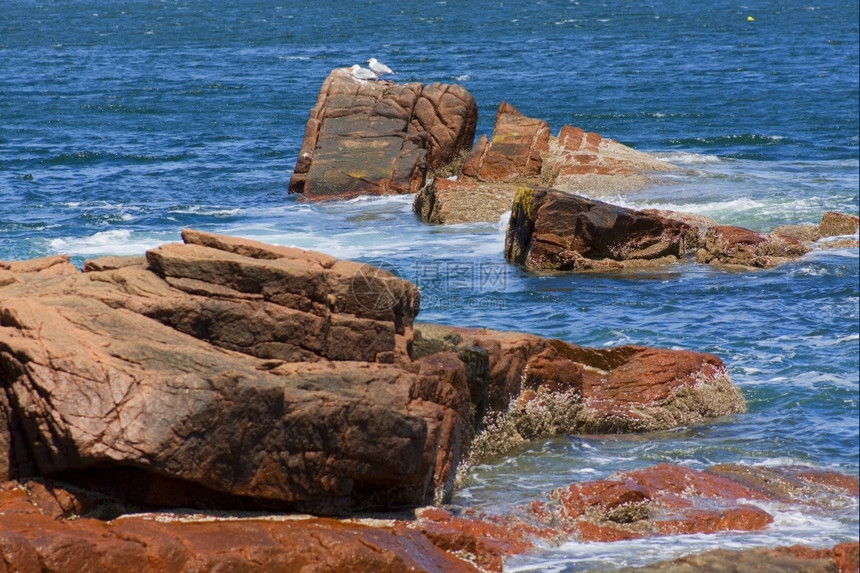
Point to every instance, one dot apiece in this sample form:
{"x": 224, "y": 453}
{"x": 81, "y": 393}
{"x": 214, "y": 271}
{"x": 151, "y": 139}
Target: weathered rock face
{"x": 449, "y": 202}
{"x": 587, "y": 163}
{"x": 834, "y": 224}
{"x": 380, "y": 138}
{"x": 527, "y": 387}
{"x": 553, "y": 230}
{"x": 517, "y": 149}
{"x": 223, "y": 372}
{"x": 227, "y": 372}
{"x": 523, "y": 152}
{"x": 729, "y": 246}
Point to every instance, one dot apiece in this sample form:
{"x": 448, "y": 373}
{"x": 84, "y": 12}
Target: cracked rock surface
{"x": 380, "y": 138}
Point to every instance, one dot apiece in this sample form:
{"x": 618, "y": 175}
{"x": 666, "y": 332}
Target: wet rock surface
{"x": 380, "y": 138}
{"x": 665, "y": 499}
{"x": 50, "y": 526}
{"x": 795, "y": 559}
{"x": 730, "y": 246}
{"x": 35, "y": 537}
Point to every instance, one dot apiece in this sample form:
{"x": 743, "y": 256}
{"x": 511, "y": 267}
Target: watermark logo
{"x": 443, "y": 285}
{"x": 374, "y": 288}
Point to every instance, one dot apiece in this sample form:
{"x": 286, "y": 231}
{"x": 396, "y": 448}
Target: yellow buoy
{"x": 750, "y": 19}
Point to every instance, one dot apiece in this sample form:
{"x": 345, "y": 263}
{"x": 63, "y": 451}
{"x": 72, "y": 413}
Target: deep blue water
{"x": 123, "y": 122}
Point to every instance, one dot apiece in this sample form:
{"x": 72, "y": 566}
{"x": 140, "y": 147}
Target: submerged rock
{"x": 553, "y": 230}
{"x": 729, "y": 246}
{"x": 794, "y": 559}
{"x": 380, "y": 138}
{"x": 661, "y": 500}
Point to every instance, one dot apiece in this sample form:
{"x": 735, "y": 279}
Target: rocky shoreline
{"x": 219, "y": 378}
{"x": 222, "y": 403}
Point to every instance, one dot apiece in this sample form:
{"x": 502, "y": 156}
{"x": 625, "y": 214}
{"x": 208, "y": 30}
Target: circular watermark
{"x": 376, "y": 287}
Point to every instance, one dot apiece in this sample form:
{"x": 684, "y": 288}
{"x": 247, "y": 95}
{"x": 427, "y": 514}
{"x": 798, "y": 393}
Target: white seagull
{"x": 360, "y": 73}
{"x": 379, "y": 68}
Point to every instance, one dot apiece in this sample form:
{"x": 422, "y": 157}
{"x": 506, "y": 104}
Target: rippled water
{"x": 123, "y": 122}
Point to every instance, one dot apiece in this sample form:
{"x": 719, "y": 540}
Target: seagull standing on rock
{"x": 360, "y": 73}
{"x": 379, "y": 68}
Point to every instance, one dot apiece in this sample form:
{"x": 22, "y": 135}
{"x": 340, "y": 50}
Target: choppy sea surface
{"x": 123, "y": 122}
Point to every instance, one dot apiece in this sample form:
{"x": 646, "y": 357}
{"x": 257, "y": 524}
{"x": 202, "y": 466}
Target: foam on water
{"x": 120, "y": 242}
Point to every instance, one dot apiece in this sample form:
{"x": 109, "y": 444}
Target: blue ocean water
{"x": 123, "y": 122}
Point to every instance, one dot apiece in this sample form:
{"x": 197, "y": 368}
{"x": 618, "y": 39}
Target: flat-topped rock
{"x": 380, "y": 138}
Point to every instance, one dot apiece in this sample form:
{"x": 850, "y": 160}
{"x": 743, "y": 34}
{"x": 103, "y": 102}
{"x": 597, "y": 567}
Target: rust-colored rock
{"x": 523, "y": 152}
{"x": 36, "y": 532}
{"x": 794, "y": 559}
{"x": 729, "y": 246}
{"x": 661, "y": 500}
{"x": 791, "y": 483}
{"x": 223, "y": 372}
{"x": 379, "y": 138}
{"x": 33, "y": 541}
{"x": 588, "y": 164}
{"x": 227, "y": 373}
{"x": 553, "y": 230}
{"x": 488, "y": 540}
{"x": 516, "y": 150}
{"x": 835, "y": 224}
{"x": 531, "y": 387}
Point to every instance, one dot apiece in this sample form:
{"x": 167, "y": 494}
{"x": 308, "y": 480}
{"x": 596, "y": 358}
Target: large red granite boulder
{"x": 554, "y": 230}
{"x": 226, "y": 372}
{"x": 380, "y": 138}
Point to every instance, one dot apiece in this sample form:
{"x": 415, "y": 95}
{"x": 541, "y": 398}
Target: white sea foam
{"x": 122, "y": 242}
{"x": 206, "y": 210}
{"x": 504, "y": 219}
{"x": 686, "y": 158}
